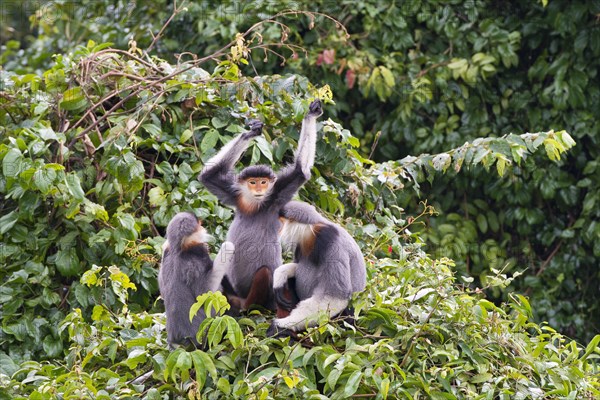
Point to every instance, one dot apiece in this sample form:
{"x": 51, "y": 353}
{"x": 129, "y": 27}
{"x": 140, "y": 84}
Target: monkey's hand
{"x": 280, "y": 333}
{"x": 315, "y": 109}
{"x": 255, "y": 129}
{"x": 225, "y": 256}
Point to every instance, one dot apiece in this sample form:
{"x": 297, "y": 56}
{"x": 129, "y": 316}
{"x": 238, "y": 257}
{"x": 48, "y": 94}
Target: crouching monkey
{"x": 328, "y": 268}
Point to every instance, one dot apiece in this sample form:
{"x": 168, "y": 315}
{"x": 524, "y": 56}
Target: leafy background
{"x": 101, "y": 145}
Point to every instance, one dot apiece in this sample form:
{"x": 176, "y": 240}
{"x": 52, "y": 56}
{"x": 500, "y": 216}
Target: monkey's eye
{"x": 263, "y": 182}
{"x": 252, "y": 182}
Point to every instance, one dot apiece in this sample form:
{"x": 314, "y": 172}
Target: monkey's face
{"x": 259, "y": 187}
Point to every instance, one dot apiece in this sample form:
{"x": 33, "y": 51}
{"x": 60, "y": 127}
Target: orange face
{"x": 258, "y": 186}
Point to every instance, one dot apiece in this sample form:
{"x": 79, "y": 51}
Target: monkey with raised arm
{"x": 328, "y": 268}
{"x": 258, "y": 194}
{"x": 186, "y": 272}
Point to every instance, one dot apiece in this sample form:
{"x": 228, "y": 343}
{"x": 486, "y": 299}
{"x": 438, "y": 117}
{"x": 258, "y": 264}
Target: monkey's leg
{"x": 284, "y": 289}
{"x": 235, "y": 301}
{"x": 307, "y": 311}
{"x": 261, "y": 290}
{"x": 286, "y": 298}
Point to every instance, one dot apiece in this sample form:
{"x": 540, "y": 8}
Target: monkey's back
{"x": 256, "y": 245}
{"x": 339, "y": 271}
{"x": 182, "y": 277}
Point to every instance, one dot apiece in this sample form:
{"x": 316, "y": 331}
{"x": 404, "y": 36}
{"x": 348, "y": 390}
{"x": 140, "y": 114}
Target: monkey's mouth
{"x": 259, "y": 196}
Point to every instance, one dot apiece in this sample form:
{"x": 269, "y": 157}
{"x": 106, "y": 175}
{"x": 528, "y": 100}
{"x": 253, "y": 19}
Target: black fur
{"x": 286, "y": 296}
{"x": 315, "y": 108}
{"x": 255, "y": 129}
{"x": 219, "y": 180}
{"x": 289, "y": 180}
{"x": 256, "y": 171}
{"x": 325, "y": 242}
{"x": 281, "y": 333}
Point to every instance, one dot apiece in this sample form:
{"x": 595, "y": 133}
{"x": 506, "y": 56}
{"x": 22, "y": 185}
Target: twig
{"x": 145, "y": 84}
{"x": 375, "y": 142}
{"x": 159, "y": 34}
{"x": 419, "y": 333}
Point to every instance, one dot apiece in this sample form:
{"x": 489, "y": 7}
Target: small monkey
{"x": 186, "y": 272}
{"x": 328, "y": 268}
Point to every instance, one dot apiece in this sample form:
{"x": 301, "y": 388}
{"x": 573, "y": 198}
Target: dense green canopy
{"x": 101, "y": 144}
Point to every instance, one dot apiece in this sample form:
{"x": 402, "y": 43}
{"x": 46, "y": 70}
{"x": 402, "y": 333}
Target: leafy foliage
{"x": 100, "y": 150}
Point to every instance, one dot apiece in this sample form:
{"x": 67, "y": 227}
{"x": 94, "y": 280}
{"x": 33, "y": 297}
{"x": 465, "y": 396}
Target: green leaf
{"x": 152, "y": 129}
{"x": 90, "y": 277}
{"x": 74, "y": 100}
{"x": 7, "y": 221}
{"x": 218, "y": 123}
{"x": 183, "y": 366}
{"x": 353, "y": 383}
{"x": 592, "y": 347}
{"x": 480, "y": 378}
{"x": 185, "y": 135}
{"x": 156, "y": 197}
{"x": 67, "y": 262}
{"x": 216, "y": 331}
{"x": 74, "y": 185}
{"x": 234, "y": 333}
{"x": 11, "y": 163}
{"x": 265, "y": 148}
{"x": 384, "y": 388}
{"x": 209, "y": 141}
{"x": 224, "y": 386}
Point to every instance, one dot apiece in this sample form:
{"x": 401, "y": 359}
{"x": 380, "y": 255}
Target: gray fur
{"x": 255, "y": 234}
{"x": 301, "y": 212}
{"x": 184, "y": 275}
{"x": 335, "y": 269}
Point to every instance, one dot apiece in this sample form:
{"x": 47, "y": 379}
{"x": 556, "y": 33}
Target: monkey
{"x": 187, "y": 271}
{"x": 258, "y": 194}
{"x": 328, "y": 268}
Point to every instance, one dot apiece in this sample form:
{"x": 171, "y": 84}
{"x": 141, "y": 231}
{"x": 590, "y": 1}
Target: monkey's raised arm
{"x": 290, "y": 179}
{"x": 307, "y": 144}
{"x": 217, "y": 175}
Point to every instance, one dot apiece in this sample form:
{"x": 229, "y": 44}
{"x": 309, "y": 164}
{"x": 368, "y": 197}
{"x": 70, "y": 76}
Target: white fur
{"x": 307, "y": 312}
{"x": 200, "y": 236}
{"x": 251, "y": 198}
{"x": 221, "y": 265}
{"x": 293, "y": 233}
{"x": 307, "y": 144}
{"x": 283, "y": 273}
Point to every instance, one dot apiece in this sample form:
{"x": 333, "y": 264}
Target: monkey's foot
{"x": 280, "y": 333}
{"x": 315, "y": 108}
